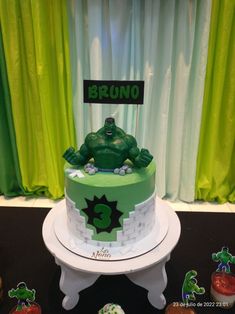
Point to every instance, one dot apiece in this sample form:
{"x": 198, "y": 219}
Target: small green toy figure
{"x": 190, "y": 287}
{"x": 23, "y": 295}
{"x": 110, "y": 146}
{"x": 224, "y": 257}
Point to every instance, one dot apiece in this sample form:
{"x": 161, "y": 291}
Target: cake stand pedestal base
{"x": 147, "y": 270}
{"x": 153, "y": 279}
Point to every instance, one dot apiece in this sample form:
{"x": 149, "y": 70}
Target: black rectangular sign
{"x": 113, "y": 92}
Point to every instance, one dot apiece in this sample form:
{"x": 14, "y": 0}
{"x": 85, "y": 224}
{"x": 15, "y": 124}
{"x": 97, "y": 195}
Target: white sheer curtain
{"x": 164, "y": 43}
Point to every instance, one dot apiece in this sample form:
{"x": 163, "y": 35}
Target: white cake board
{"x": 106, "y": 252}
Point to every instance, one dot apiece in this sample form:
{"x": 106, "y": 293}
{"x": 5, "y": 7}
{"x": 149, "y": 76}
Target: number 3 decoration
{"x": 105, "y": 216}
{"x": 102, "y": 214}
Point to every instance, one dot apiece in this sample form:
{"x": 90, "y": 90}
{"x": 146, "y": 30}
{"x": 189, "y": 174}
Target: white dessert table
{"x": 147, "y": 270}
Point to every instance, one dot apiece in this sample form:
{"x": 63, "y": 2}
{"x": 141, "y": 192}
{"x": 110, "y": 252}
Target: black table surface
{"x": 24, "y": 257}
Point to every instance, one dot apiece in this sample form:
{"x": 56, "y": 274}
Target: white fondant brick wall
{"x": 136, "y": 227}
{"x": 76, "y": 222}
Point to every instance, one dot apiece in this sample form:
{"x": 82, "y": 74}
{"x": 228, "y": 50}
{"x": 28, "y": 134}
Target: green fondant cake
{"x": 110, "y": 200}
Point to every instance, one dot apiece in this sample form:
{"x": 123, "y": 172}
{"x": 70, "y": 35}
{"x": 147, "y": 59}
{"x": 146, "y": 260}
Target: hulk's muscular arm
{"x": 140, "y": 158}
{"x": 81, "y": 156}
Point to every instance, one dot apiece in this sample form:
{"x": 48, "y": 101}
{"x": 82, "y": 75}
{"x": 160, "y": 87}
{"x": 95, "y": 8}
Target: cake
{"x": 177, "y": 308}
{"x": 223, "y": 289}
{"x": 111, "y": 308}
{"x": 109, "y": 189}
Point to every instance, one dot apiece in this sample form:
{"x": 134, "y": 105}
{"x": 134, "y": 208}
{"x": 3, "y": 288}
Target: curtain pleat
{"x": 215, "y": 179}
{"x": 164, "y": 43}
{"x": 10, "y": 178}
{"x": 35, "y": 38}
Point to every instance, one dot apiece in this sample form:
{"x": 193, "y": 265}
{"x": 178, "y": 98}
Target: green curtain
{"x": 215, "y": 180}
{"x": 164, "y": 43}
{"x": 35, "y": 38}
{"x": 10, "y": 178}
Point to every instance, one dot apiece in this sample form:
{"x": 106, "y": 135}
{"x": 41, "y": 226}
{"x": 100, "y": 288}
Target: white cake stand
{"x": 146, "y": 270}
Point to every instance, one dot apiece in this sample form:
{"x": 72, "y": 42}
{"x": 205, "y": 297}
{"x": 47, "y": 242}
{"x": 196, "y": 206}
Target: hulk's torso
{"x": 108, "y": 153}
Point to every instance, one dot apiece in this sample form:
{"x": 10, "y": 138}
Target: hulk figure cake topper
{"x": 25, "y": 300}
{"x": 190, "y": 287}
{"x": 225, "y": 258}
{"x": 110, "y": 147}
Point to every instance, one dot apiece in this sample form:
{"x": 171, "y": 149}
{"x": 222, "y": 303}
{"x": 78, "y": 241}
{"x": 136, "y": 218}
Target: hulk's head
{"x": 110, "y": 127}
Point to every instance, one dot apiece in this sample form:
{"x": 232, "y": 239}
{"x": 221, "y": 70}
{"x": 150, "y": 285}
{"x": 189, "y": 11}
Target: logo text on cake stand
{"x": 102, "y": 254}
